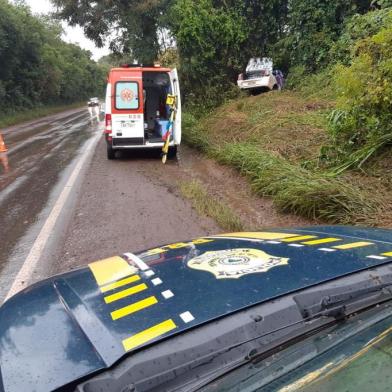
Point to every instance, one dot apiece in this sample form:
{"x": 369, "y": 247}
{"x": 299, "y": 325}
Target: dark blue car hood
{"x": 73, "y": 325}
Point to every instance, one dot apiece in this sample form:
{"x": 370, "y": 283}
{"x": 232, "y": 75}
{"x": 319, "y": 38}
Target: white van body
{"x": 136, "y": 114}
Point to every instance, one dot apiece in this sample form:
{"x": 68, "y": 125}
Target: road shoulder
{"x": 121, "y": 209}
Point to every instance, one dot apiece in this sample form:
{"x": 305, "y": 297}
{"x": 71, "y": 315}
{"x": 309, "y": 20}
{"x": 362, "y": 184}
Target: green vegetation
{"x": 31, "y": 114}
{"x": 37, "y": 68}
{"x": 289, "y": 124}
{"x": 277, "y": 166}
{"x": 294, "y": 189}
{"x": 318, "y": 150}
{"x": 321, "y": 149}
{"x": 131, "y": 26}
{"x": 209, "y": 206}
{"x": 361, "y": 124}
{"x": 215, "y": 38}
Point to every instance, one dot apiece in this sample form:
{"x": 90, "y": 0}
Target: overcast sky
{"x": 72, "y": 34}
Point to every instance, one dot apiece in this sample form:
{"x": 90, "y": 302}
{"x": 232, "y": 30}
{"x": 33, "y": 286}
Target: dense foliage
{"x": 362, "y": 122}
{"x": 130, "y": 26}
{"x": 340, "y": 49}
{"x": 215, "y": 38}
{"x": 216, "y": 33}
{"x": 37, "y": 67}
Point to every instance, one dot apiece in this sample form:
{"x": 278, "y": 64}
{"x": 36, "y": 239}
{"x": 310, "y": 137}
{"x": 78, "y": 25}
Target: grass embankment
{"x": 275, "y": 139}
{"x": 9, "y": 119}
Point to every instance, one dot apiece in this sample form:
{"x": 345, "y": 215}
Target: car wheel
{"x": 111, "y": 153}
{"x": 172, "y": 153}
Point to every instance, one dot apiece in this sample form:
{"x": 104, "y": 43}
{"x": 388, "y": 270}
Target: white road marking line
{"x": 296, "y": 245}
{"x": 138, "y": 261}
{"x": 149, "y": 273}
{"x": 273, "y": 242}
{"x": 376, "y": 257}
{"x": 327, "y": 249}
{"x": 156, "y": 281}
{"x": 40, "y": 242}
{"x": 187, "y": 317}
{"x": 167, "y": 294}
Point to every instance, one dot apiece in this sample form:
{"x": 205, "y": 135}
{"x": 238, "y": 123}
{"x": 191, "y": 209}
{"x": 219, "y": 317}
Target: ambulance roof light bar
{"x": 155, "y": 65}
{"x": 131, "y": 65}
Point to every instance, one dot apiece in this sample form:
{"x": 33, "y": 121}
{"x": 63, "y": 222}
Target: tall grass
{"x": 194, "y": 134}
{"x": 357, "y": 158}
{"x": 326, "y": 196}
{"x": 294, "y": 189}
{"x": 209, "y": 206}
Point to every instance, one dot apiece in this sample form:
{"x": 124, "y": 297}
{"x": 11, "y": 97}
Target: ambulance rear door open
{"x": 176, "y": 91}
{"x": 127, "y": 108}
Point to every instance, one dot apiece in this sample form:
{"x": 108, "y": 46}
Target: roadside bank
{"x": 276, "y": 141}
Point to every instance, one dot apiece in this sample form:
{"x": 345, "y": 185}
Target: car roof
{"x": 118, "y": 305}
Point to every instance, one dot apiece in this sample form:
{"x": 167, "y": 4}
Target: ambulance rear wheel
{"x": 172, "y": 153}
{"x": 111, "y": 153}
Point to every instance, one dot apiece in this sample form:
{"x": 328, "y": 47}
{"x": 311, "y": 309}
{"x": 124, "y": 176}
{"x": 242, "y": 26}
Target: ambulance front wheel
{"x": 110, "y": 152}
{"x": 172, "y": 153}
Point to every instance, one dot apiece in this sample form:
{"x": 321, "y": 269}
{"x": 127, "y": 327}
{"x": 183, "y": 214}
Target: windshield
{"x": 348, "y": 357}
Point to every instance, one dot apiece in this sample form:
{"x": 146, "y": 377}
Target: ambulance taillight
{"x": 108, "y": 124}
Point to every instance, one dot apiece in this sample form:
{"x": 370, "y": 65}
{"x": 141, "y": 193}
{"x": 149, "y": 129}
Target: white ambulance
{"x": 136, "y": 111}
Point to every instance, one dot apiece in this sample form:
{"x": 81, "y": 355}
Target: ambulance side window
{"x": 127, "y": 95}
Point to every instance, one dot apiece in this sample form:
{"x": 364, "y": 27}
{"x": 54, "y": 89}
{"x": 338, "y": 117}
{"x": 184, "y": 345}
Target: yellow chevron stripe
{"x": 133, "y": 308}
{"x": 387, "y": 254}
{"x": 120, "y": 283}
{"x": 111, "y": 269}
{"x": 148, "y": 334}
{"x": 299, "y": 238}
{"x": 321, "y": 241}
{"x": 258, "y": 235}
{"x": 125, "y": 293}
{"x": 353, "y": 245}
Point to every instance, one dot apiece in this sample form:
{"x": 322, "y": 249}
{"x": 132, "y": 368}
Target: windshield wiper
{"x": 331, "y": 304}
{"x": 195, "y": 358}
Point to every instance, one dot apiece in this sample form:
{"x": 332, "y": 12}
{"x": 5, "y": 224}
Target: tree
{"x": 209, "y": 37}
{"x": 37, "y": 67}
{"x": 313, "y": 27}
{"x": 129, "y": 26}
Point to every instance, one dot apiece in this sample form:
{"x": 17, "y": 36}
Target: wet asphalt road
{"x": 39, "y": 154}
{"x": 113, "y": 206}
{"x": 123, "y": 205}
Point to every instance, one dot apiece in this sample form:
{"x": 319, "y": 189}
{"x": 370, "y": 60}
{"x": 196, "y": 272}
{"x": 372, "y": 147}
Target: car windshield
{"x": 348, "y": 357}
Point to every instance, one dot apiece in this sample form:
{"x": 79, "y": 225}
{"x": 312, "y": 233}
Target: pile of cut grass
{"x": 282, "y": 122}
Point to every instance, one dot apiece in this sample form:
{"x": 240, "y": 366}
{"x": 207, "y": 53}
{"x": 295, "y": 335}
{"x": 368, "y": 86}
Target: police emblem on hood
{"x": 234, "y": 263}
